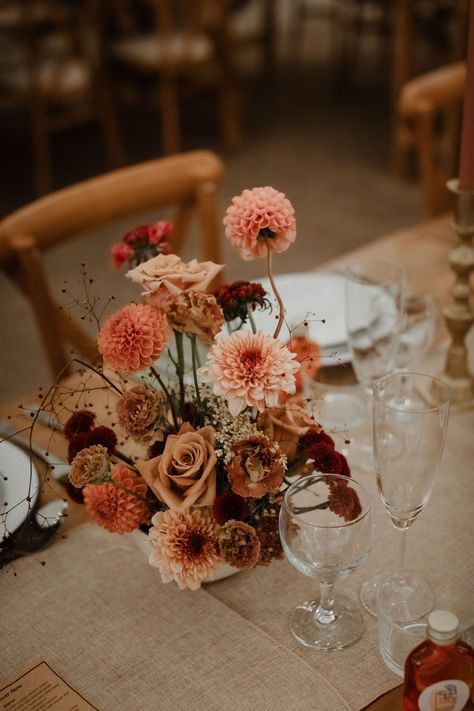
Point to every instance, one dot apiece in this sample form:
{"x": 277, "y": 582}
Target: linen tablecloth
{"x": 99, "y": 614}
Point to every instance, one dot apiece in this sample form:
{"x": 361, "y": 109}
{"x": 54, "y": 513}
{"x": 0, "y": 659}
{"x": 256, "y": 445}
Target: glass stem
{"x": 402, "y": 547}
{"x": 324, "y": 613}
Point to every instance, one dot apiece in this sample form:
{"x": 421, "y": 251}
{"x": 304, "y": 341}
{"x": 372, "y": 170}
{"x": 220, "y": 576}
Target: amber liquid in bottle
{"x": 439, "y": 675}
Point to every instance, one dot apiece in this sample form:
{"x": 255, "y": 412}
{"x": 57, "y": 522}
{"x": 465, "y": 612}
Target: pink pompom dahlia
{"x": 184, "y": 546}
{"x": 119, "y": 509}
{"x": 250, "y": 370}
{"x": 133, "y": 338}
{"x": 259, "y": 217}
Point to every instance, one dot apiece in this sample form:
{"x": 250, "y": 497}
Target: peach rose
{"x": 166, "y": 274}
{"x": 285, "y": 425}
{"x": 184, "y": 475}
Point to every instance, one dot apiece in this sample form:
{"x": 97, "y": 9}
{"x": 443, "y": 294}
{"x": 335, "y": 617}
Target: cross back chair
{"x": 51, "y": 64}
{"x": 428, "y": 121}
{"x": 188, "y": 40}
{"x": 188, "y": 182}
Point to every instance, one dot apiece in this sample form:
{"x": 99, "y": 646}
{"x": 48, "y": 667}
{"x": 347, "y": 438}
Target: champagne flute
{"x": 375, "y": 292}
{"x": 326, "y": 533}
{"x": 409, "y": 432}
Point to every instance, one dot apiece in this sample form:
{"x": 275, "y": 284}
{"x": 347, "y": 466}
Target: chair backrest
{"x": 429, "y": 111}
{"x": 188, "y": 182}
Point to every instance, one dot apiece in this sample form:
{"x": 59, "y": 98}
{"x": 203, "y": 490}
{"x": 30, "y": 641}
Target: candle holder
{"x": 459, "y": 315}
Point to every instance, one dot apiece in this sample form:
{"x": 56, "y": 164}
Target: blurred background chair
{"x": 186, "y": 182}
{"x": 184, "y": 47}
{"x": 428, "y": 122}
{"x": 51, "y": 65}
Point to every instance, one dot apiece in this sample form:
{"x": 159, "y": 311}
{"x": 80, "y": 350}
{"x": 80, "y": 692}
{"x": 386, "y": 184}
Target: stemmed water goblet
{"x": 375, "y": 293}
{"x": 409, "y": 430}
{"x": 326, "y": 533}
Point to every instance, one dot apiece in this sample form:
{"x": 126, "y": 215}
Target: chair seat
{"x": 59, "y": 79}
{"x": 149, "y": 53}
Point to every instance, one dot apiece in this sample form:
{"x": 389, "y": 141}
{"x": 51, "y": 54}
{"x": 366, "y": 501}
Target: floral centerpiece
{"x": 221, "y": 439}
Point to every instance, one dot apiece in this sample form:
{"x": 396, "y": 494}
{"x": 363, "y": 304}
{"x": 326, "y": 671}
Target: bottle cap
{"x": 442, "y": 626}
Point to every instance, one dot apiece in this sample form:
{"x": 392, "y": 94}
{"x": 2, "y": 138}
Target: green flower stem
{"x": 180, "y": 370}
{"x": 124, "y": 458}
{"x": 133, "y": 493}
{"x": 251, "y": 319}
{"x": 167, "y": 395}
{"x": 275, "y": 291}
{"x": 196, "y": 383}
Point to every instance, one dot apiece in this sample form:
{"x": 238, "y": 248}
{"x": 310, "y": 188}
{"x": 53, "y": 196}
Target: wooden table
{"x": 423, "y": 250}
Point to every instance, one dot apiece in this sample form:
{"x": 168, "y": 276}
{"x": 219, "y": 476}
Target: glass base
{"x": 342, "y": 632}
{"x": 403, "y": 590}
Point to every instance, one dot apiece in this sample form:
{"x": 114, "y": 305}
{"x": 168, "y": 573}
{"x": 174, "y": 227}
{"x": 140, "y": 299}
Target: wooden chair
{"x": 187, "y": 181}
{"x": 428, "y": 121}
{"x": 51, "y": 64}
{"x": 189, "y": 41}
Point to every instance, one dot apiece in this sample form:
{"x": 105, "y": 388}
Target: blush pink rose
{"x": 166, "y": 275}
{"x": 184, "y": 475}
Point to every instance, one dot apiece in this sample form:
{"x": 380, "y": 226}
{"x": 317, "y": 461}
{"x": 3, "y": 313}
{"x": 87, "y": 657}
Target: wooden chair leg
{"x": 44, "y": 309}
{"x": 209, "y": 225}
{"x": 110, "y": 128}
{"x": 170, "y": 115}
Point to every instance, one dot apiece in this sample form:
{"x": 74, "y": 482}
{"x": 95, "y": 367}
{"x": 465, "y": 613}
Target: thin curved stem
{"x": 251, "y": 319}
{"x": 167, "y": 395}
{"x": 275, "y": 291}
{"x": 180, "y": 369}
{"x": 195, "y": 377}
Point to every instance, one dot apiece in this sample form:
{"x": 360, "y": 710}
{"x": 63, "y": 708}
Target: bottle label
{"x": 447, "y": 695}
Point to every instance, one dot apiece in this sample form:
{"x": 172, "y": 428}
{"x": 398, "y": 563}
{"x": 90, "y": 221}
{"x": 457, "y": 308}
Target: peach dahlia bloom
{"x": 250, "y": 369}
{"x": 184, "y": 546}
{"x": 133, "y": 338}
{"x": 118, "y": 509}
{"x": 256, "y": 214}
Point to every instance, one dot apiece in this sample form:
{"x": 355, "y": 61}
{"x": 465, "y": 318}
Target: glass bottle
{"x": 439, "y": 672}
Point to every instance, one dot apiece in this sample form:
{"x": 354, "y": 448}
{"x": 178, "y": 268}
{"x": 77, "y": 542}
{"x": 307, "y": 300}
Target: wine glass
{"x": 326, "y": 533}
{"x": 375, "y": 292}
{"x": 418, "y": 330}
{"x": 409, "y": 426}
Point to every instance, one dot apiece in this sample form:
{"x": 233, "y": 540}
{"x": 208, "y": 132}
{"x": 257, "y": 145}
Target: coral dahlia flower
{"x": 133, "y": 338}
{"x": 185, "y": 546}
{"x": 259, "y": 217}
{"x": 250, "y": 369}
{"x": 118, "y": 509}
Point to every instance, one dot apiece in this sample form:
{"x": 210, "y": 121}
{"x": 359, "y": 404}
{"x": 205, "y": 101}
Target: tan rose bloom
{"x": 184, "y": 475}
{"x": 285, "y": 425}
{"x": 166, "y": 274}
{"x": 195, "y": 313}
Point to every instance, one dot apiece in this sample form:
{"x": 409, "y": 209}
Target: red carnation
{"x": 314, "y": 436}
{"x": 81, "y": 421}
{"x": 344, "y": 501}
{"x": 80, "y": 441}
{"x": 228, "y": 506}
{"x": 104, "y": 436}
{"x": 326, "y": 459}
{"x": 235, "y": 299}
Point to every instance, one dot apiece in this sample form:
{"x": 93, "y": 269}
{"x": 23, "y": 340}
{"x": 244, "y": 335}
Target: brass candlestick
{"x": 459, "y": 315}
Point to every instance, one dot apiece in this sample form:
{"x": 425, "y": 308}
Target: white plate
{"x": 16, "y": 471}
{"x": 317, "y": 298}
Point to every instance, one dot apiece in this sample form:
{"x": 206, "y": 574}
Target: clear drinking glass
{"x": 418, "y": 330}
{"x": 326, "y": 532}
{"x": 409, "y": 427}
{"x": 375, "y": 293}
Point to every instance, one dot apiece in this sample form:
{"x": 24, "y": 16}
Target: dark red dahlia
{"x": 229, "y": 506}
{"x": 80, "y": 422}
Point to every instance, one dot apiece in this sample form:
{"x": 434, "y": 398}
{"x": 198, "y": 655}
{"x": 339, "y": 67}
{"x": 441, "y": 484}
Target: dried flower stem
{"x": 275, "y": 290}
{"x": 167, "y": 395}
{"x": 180, "y": 370}
{"x": 98, "y": 372}
{"x": 196, "y": 383}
